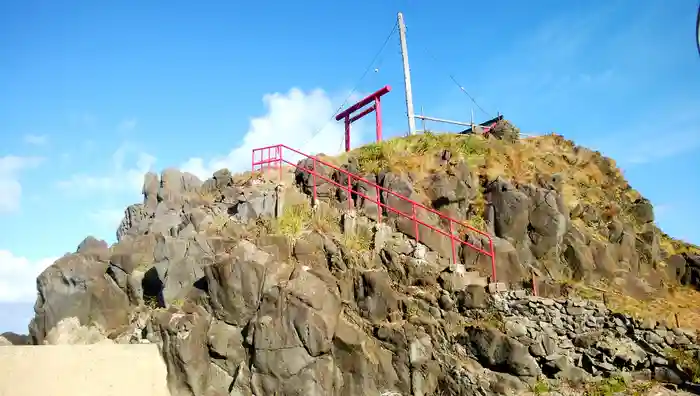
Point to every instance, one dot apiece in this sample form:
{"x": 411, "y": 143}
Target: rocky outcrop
{"x": 685, "y": 269}
{"x": 249, "y": 289}
{"x": 78, "y": 285}
{"x": 504, "y": 130}
{"x": 575, "y": 340}
{"x": 534, "y": 231}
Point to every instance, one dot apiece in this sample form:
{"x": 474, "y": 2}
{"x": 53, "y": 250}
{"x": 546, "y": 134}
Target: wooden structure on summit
{"x": 486, "y": 125}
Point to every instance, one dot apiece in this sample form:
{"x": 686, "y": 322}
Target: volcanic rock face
{"x": 249, "y": 291}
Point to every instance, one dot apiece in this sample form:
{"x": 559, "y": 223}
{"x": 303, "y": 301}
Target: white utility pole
{"x": 407, "y": 77}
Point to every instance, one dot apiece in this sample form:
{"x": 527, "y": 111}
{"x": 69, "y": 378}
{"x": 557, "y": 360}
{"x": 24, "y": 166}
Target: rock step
{"x": 497, "y": 287}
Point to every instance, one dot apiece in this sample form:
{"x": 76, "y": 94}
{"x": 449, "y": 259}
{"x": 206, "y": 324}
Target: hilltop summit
{"x": 251, "y": 288}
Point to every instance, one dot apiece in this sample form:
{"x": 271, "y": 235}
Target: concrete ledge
{"x": 69, "y": 370}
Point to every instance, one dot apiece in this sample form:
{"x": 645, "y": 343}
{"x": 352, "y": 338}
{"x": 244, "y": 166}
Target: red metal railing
{"x": 275, "y": 160}
{"x": 274, "y": 156}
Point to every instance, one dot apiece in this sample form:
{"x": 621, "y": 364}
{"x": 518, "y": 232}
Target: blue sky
{"x": 96, "y": 93}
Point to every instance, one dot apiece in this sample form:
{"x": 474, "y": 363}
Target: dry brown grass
{"x": 587, "y": 177}
{"x": 359, "y": 241}
{"x": 486, "y": 320}
{"x": 294, "y": 220}
{"x": 610, "y": 386}
{"x": 512, "y": 161}
{"x": 325, "y": 219}
{"x": 300, "y": 218}
{"x": 675, "y": 246}
{"x": 419, "y": 153}
{"x": 521, "y": 161}
{"x": 687, "y": 360}
{"x": 218, "y": 224}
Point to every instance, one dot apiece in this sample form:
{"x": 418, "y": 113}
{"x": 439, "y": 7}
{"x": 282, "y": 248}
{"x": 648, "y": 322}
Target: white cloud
{"x": 10, "y": 166}
{"x": 293, "y": 119}
{"x": 36, "y": 140}
{"x": 18, "y": 276}
{"x": 120, "y": 178}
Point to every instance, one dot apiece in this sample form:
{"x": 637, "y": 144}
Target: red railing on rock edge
{"x": 271, "y": 157}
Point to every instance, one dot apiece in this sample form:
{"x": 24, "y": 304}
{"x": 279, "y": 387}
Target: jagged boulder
{"x": 236, "y": 283}
{"x": 77, "y": 285}
{"x": 183, "y": 335}
{"x": 685, "y": 268}
{"x": 498, "y": 351}
{"x": 164, "y": 200}
{"x": 453, "y": 193}
{"x": 292, "y": 336}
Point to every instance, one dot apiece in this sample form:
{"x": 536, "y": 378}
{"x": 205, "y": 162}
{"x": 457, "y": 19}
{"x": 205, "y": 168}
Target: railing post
{"x": 279, "y": 154}
{"x": 379, "y": 205}
{"x": 452, "y": 242}
{"x": 534, "y": 283}
{"x": 349, "y": 190}
{"x": 415, "y": 221}
{"x": 314, "y": 179}
{"x": 493, "y": 260}
{"x": 252, "y": 161}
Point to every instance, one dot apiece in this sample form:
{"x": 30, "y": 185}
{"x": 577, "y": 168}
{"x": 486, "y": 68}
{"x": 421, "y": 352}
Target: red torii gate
{"x": 376, "y": 106}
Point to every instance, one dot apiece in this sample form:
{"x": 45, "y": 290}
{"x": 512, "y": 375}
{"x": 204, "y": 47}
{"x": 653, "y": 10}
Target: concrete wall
{"x": 72, "y": 370}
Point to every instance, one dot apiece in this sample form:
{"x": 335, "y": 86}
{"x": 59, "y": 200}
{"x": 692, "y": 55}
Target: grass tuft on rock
{"x": 294, "y": 220}
{"x": 298, "y": 218}
{"x": 359, "y": 241}
{"x": 541, "y": 387}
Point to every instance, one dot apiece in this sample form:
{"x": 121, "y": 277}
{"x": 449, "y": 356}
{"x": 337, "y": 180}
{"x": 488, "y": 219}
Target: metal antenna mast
{"x": 407, "y": 77}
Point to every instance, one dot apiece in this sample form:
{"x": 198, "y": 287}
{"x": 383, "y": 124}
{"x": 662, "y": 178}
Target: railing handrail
{"x": 378, "y": 188}
{"x": 371, "y": 184}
